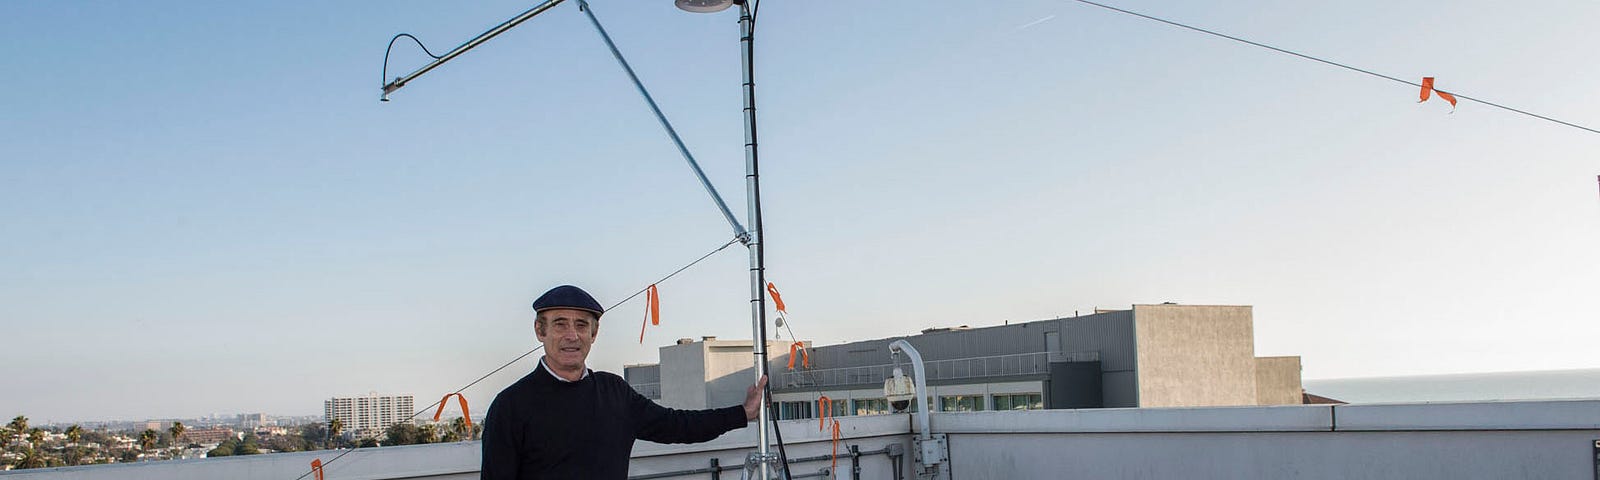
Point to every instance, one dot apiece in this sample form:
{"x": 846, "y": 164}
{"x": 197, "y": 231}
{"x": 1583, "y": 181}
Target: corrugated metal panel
{"x": 976, "y": 342}
{"x": 1007, "y": 350}
{"x": 1109, "y": 333}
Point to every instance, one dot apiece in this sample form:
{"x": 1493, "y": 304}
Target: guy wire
{"x": 530, "y": 352}
{"x": 1333, "y": 63}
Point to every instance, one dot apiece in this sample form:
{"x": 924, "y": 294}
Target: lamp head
{"x": 704, "y": 6}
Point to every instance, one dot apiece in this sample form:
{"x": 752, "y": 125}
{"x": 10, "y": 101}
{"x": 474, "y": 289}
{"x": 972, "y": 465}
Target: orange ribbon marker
{"x": 825, "y": 406}
{"x": 652, "y": 310}
{"x": 804, "y": 353}
{"x": 464, "y": 415}
{"x": 835, "y": 467}
{"x": 1427, "y": 88}
{"x": 316, "y": 468}
{"x": 777, "y": 300}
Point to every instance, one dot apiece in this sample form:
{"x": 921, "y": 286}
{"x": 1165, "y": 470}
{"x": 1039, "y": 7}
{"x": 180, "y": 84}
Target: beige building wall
{"x": 1192, "y": 355}
{"x": 1278, "y": 381}
{"x": 711, "y": 373}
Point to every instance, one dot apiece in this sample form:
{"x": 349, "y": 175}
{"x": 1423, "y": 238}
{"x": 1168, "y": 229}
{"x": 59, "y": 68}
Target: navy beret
{"x": 568, "y": 296}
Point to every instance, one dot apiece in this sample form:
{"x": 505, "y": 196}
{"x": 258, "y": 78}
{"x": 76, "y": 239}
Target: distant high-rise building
{"x": 367, "y": 416}
{"x": 251, "y": 420}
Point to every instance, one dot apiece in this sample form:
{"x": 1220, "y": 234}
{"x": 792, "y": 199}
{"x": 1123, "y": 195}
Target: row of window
{"x": 877, "y": 406}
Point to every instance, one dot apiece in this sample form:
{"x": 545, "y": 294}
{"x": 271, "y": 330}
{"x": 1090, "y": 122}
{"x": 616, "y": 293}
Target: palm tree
{"x": 18, "y": 425}
{"x": 33, "y": 458}
{"x": 428, "y": 434}
{"x": 334, "y": 428}
{"x": 35, "y": 437}
{"x": 73, "y": 434}
{"x": 176, "y": 431}
{"x": 147, "y": 439}
{"x": 462, "y": 431}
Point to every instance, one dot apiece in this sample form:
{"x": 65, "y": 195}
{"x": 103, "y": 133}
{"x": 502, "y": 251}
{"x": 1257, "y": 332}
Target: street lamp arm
{"x": 475, "y": 41}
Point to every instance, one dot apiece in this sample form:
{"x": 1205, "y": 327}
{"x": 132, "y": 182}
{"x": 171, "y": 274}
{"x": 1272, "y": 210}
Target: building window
{"x": 870, "y": 406}
{"x": 912, "y": 406}
{"x": 961, "y": 403}
{"x": 794, "y": 410}
{"x": 839, "y": 408}
{"x": 1019, "y": 401}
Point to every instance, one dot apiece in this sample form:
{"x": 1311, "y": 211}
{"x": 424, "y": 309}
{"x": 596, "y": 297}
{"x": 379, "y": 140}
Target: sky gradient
{"x": 207, "y": 210}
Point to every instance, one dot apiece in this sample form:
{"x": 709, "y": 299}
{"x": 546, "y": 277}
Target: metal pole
{"x": 855, "y": 462}
{"x": 918, "y": 376}
{"x": 507, "y": 25}
{"x": 738, "y": 230}
{"x": 758, "y": 280}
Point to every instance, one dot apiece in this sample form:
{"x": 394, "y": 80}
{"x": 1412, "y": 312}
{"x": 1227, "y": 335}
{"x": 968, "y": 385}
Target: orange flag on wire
{"x": 316, "y": 468}
{"x": 835, "y": 466}
{"x": 463, "y": 401}
{"x": 824, "y": 406}
{"x": 777, "y": 300}
{"x": 1427, "y": 89}
{"x": 652, "y": 310}
{"x": 799, "y": 349}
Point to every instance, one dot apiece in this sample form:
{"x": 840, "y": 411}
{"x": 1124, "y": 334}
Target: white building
{"x": 370, "y": 415}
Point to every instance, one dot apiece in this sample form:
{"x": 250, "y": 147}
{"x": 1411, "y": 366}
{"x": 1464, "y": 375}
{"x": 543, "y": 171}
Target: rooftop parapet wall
{"x": 1494, "y": 440}
{"x": 460, "y": 461}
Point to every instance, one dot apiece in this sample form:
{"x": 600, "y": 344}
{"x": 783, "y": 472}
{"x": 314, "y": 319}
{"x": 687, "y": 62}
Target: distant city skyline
{"x": 207, "y": 208}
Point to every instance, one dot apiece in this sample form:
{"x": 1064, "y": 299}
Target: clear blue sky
{"x": 206, "y": 209}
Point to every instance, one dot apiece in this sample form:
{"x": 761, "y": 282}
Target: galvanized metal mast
{"x": 765, "y": 458}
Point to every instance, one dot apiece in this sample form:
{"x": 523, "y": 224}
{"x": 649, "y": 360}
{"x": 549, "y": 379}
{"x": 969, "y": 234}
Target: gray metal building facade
{"x": 1148, "y": 356}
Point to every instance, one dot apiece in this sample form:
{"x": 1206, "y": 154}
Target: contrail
{"x": 1036, "y": 22}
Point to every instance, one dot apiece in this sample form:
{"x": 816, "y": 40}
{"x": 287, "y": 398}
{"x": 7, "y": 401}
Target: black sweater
{"x": 544, "y": 428}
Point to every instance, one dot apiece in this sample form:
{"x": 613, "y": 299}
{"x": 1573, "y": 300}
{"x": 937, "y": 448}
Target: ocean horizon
{"x": 1462, "y": 387}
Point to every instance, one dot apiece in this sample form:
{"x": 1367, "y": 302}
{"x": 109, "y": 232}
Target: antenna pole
{"x": 757, "y": 239}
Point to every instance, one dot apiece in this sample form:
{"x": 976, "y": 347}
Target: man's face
{"x": 567, "y": 335}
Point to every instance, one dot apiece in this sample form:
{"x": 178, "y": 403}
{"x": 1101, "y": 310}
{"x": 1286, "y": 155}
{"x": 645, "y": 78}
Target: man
{"x": 566, "y": 421}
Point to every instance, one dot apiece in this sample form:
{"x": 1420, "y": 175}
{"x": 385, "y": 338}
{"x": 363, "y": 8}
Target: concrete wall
{"x": 1424, "y": 441}
{"x": 1496, "y": 440}
{"x": 1278, "y": 381}
{"x": 1191, "y": 355}
{"x": 683, "y": 370}
{"x": 447, "y": 461}
{"x": 730, "y": 370}
{"x": 711, "y": 373}
{"x": 801, "y": 438}
{"x": 460, "y": 461}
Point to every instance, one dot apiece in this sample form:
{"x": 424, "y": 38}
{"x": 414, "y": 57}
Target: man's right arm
{"x": 502, "y": 435}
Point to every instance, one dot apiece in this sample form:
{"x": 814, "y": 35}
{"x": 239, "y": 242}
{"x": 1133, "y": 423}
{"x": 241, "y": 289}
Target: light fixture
{"x": 704, "y": 6}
